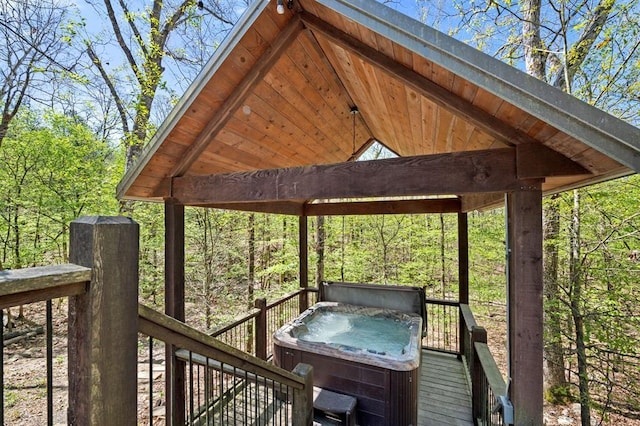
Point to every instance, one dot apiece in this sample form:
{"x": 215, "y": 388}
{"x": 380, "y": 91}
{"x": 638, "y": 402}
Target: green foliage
{"x": 54, "y": 171}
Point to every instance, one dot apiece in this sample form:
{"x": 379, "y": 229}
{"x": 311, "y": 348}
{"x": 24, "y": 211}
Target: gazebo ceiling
{"x": 317, "y": 85}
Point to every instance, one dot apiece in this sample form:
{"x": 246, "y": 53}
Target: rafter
{"x": 228, "y": 108}
{"x": 427, "y": 88}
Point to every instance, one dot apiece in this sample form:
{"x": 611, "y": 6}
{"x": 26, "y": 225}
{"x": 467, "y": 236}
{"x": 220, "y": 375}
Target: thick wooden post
{"x": 174, "y": 307}
{"x": 303, "y": 243}
{"x": 524, "y": 304}
{"x": 303, "y": 398}
{"x": 479, "y": 395}
{"x": 463, "y": 274}
{"x": 261, "y": 329}
{"x": 463, "y": 258}
{"x": 103, "y": 323}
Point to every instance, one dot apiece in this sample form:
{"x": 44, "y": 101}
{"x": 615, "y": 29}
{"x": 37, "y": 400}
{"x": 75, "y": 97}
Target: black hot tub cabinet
{"x": 385, "y": 385}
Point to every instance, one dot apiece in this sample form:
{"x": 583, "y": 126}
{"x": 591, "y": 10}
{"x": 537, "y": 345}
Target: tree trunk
{"x": 576, "y": 311}
{"x": 554, "y": 369}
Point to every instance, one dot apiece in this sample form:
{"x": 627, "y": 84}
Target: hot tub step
{"x": 335, "y": 405}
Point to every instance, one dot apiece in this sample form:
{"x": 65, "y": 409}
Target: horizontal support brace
{"x": 453, "y": 173}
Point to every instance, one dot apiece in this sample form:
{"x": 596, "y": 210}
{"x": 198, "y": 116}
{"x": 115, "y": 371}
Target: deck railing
{"x": 487, "y": 384}
{"x": 25, "y": 286}
{"x": 443, "y": 329}
{"x": 225, "y": 385}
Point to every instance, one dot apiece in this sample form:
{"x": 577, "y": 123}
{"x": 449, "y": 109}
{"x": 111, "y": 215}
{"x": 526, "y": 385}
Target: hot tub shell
{"x": 386, "y": 387}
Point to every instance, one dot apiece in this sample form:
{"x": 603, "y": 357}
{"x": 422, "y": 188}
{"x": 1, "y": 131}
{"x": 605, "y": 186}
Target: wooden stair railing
{"x": 215, "y": 352}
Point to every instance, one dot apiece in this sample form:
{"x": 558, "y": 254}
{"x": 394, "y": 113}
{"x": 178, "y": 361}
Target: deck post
{"x": 478, "y": 393}
{"x": 303, "y": 398}
{"x": 175, "y": 374}
{"x": 463, "y": 273}
{"x": 261, "y": 329}
{"x": 524, "y": 304}
{"x": 103, "y": 323}
{"x": 303, "y": 243}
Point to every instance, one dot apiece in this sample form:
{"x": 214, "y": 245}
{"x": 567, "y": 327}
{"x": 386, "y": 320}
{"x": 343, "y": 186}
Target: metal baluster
{"x": 49, "y": 363}
{"x": 150, "y": 380}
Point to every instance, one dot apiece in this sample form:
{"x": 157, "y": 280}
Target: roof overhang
{"x": 277, "y": 97}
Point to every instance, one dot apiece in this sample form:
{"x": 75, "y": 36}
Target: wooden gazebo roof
{"x": 276, "y": 104}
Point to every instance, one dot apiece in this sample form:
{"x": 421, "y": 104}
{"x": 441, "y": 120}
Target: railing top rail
{"x": 28, "y": 285}
{"x": 444, "y": 302}
{"x": 172, "y": 331}
{"x": 284, "y": 298}
{"x": 236, "y": 322}
{"x": 490, "y": 368}
{"x": 467, "y": 314}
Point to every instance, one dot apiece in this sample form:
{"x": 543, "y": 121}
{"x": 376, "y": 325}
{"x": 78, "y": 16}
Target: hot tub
{"x": 370, "y": 353}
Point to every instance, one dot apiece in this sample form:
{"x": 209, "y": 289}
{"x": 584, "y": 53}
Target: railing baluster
{"x": 2, "y": 366}
{"x": 150, "y": 380}
{"x": 49, "y": 319}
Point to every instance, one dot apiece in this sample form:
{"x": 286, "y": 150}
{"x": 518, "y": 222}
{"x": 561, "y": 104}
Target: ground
{"x": 25, "y": 374}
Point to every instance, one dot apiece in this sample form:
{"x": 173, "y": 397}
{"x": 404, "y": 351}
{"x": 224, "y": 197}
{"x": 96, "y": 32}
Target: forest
{"x": 85, "y": 85}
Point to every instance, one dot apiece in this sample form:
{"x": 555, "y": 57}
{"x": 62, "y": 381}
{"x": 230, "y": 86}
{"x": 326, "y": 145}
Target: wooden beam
{"x": 231, "y": 105}
{"x": 281, "y": 207}
{"x": 535, "y": 160}
{"x": 471, "y": 202}
{"x": 436, "y": 205}
{"x": 452, "y": 173}
{"x": 422, "y": 85}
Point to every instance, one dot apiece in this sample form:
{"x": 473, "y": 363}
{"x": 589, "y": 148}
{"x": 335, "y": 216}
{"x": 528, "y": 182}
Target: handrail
{"x": 172, "y": 331}
{"x": 284, "y": 298}
{"x": 28, "y": 285}
{"x": 491, "y": 371}
{"x": 488, "y": 385}
{"x": 443, "y": 302}
{"x": 468, "y": 317}
{"x": 238, "y": 321}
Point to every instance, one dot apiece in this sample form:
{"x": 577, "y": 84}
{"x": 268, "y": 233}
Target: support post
{"x": 261, "y": 329}
{"x": 303, "y": 398}
{"x": 463, "y": 274}
{"x": 174, "y": 307}
{"x": 303, "y": 243}
{"x": 103, "y": 323}
{"x": 479, "y": 395}
{"x": 524, "y": 304}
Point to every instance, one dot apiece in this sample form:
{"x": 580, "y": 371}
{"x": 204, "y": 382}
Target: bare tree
{"x": 142, "y": 38}
{"x": 33, "y": 34}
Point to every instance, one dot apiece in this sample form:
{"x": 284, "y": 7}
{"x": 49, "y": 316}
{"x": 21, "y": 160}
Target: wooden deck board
{"x": 444, "y": 395}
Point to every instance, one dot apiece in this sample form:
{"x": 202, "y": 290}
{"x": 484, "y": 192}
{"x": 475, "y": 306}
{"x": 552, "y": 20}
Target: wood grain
{"x": 457, "y": 173}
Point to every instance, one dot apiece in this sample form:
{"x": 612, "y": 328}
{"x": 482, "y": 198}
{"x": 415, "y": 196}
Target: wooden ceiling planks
{"x": 282, "y": 98}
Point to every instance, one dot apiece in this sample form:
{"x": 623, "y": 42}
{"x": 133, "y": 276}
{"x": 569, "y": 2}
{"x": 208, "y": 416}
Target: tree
{"x": 570, "y": 44}
{"x": 34, "y": 35}
{"x": 144, "y": 36}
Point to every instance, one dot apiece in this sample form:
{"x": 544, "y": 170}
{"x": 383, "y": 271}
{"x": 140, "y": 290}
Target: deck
{"x": 444, "y": 399}
{"x": 444, "y": 396}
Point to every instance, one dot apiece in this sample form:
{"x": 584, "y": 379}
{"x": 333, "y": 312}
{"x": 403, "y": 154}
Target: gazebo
{"x": 299, "y": 89}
